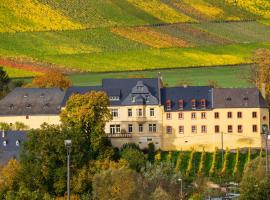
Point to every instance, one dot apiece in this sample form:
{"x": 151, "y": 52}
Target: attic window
{"x": 114, "y": 98}
{"x": 25, "y": 95}
{"x": 18, "y": 143}
{"x": 11, "y": 106}
{"x": 203, "y": 103}
{"x": 4, "y": 143}
{"x": 46, "y": 105}
{"x": 140, "y": 88}
{"x": 28, "y": 106}
{"x": 3, "y": 134}
{"x": 245, "y": 98}
{"x": 133, "y": 99}
{"x": 42, "y": 95}
{"x": 193, "y": 103}
{"x": 147, "y": 98}
{"x": 181, "y": 104}
{"x": 168, "y": 104}
{"x": 228, "y": 99}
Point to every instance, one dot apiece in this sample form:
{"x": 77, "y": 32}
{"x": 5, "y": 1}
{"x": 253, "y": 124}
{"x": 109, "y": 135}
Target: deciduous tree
{"x": 4, "y": 81}
{"x": 50, "y": 79}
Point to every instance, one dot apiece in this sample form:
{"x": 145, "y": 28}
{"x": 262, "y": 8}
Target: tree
{"x": 160, "y": 194}
{"x": 260, "y": 71}
{"x": 254, "y": 184}
{"x": 89, "y": 112}
{"x": 134, "y": 157}
{"x": 51, "y": 78}
{"x": 4, "y": 81}
{"x": 9, "y": 174}
{"x": 43, "y": 158}
{"x": 121, "y": 184}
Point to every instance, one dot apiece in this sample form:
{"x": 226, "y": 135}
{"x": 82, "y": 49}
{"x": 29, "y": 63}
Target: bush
{"x": 130, "y": 145}
{"x": 151, "y": 152}
{"x": 135, "y": 158}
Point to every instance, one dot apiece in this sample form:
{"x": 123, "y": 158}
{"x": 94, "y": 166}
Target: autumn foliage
{"x": 52, "y": 78}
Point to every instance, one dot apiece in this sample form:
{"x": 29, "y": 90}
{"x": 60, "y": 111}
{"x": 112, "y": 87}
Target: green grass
{"x": 157, "y": 58}
{"x": 242, "y": 32}
{"x": 230, "y": 76}
{"x": 18, "y": 73}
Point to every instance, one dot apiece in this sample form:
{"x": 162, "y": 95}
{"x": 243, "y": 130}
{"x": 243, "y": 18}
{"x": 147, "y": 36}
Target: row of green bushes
{"x": 192, "y": 163}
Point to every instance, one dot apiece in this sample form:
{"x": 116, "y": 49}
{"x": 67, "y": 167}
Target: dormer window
{"x": 114, "y": 98}
{"x": 193, "y": 103}
{"x": 46, "y": 105}
{"x": 245, "y": 98}
{"x": 42, "y": 95}
{"x": 25, "y": 95}
{"x": 180, "y": 104}
{"x": 18, "y": 143}
{"x": 4, "y": 143}
{"x": 228, "y": 99}
{"x": 133, "y": 99}
{"x": 3, "y": 134}
{"x": 28, "y": 106}
{"x": 147, "y": 98}
{"x": 11, "y": 107}
{"x": 168, "y": 104}
{"x": 203, "y": 103}
{"x": 140, "y": 88}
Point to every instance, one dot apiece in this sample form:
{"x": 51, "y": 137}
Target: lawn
{"x": 18, "y": 73}
{"x": 229, "y": 76}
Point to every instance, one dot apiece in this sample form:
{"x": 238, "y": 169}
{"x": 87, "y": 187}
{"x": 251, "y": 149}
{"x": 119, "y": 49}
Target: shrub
{"x": 213, "y": 168}
{"x": 130, "y": 145}
{"x": 179, "y": 162}
{"x": 202, "y": 163}
{"x": 135, "y": 158}
{"x": 190, "y": 162}
{"x": 151, "y": 152}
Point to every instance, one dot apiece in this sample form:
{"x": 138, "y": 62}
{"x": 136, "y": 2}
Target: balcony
{"x": 119, "y": 135}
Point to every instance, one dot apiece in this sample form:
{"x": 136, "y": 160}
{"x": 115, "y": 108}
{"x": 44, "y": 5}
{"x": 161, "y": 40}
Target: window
{"x": 28, "y": 106}
{"x": 147, "y": 98}
{"x": 254, "y": 129}
{"x": 140, "y": 128}
{"x": 203, "y": 103}
{"x": 203, "y": 115}
{"x": 180, "y": 115}
{"x": 130, "y": 128}
{"x": 114, "y": 112}
{"x": 193, "y": 103}
{"x": 133, "y": 99}
{"x": 203, "y": 129}
{"x": 11, "y": 106}
{"x": 129, "y": 112}
{"x": 152, "y": 112}
{"x": 169, "y": 129}
{"x": 17, "y": 143}
{"x": 239, "y": 128}
{"x": 229, "y": 114}
{"x": 216, "y": 129}
{"x": 152, "y": 128}
{"x": 139, "y": 112}
{"x": 230, "y": 129}
{"x": 239, "y": 114}
{"x": 180, "y": 104}
{"x": 168, "y": 104}
{"x": 216, "y": 115}
{"x": 4, "y": 143}
{"x": 115, "y": 128}
{"x": 193, "y": 115}
{"x": 181, "y": 129}
{"x": 254, "y": 114}
{"x": 114, "y": 98}
{"x": 193, "y": 129}
{"x": 168, "y": 115}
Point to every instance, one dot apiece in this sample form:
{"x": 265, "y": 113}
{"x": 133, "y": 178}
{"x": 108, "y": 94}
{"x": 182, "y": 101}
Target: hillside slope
{"x": 113, "y": 35}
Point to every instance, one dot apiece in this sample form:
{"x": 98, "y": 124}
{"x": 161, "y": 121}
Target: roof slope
{"x": 238, "y": 98}
{"x": 187, "y": 94}
{"x": 31, "y": 101}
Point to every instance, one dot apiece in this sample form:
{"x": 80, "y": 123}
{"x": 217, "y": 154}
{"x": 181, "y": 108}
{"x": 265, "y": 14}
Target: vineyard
{"x": 130, "y": 35}
{"x": 192, "y": 163}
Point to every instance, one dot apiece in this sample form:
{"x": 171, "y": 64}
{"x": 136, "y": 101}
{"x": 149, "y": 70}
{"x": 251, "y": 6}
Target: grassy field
{"x": 230, "y": 76}
{"x": 18, "y": 73}
{"x": 157, "y": 58}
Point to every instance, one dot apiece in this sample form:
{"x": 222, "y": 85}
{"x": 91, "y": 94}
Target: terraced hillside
{"x": 129, "y": 35}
